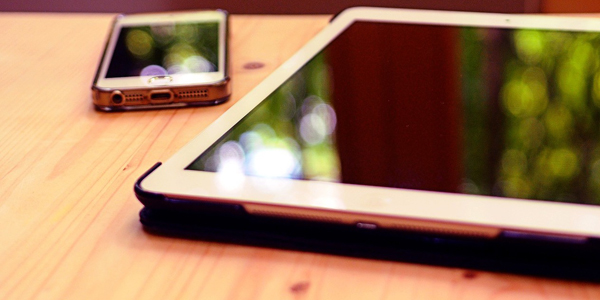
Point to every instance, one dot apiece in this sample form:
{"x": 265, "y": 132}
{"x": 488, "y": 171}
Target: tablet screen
{"x": 501, "y": 112}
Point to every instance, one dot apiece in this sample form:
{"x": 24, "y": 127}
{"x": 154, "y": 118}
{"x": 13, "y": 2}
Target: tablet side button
{"x": 363, "y": 225}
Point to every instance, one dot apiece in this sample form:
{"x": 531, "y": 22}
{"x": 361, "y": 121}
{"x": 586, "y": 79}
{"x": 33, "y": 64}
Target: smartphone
{"x": 162, "y": 60}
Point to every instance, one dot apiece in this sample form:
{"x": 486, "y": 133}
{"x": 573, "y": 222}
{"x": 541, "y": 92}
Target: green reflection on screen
{"x": 548, "y": 103}
{"x": 166, "y": 49}
{"x": 290, "y": 134}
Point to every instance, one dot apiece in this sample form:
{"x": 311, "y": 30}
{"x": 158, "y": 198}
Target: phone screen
{"x": 166, "y": 49}
{"x": 501, "y": 112}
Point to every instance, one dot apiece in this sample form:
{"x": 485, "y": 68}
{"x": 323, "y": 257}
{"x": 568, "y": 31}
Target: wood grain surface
{"x": 69, "y": 218}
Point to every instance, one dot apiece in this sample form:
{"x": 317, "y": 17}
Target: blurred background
{"x": 297, "y": 7}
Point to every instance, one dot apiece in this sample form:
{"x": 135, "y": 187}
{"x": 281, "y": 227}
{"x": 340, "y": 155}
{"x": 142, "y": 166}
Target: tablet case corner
{"x": 148, "y": 198}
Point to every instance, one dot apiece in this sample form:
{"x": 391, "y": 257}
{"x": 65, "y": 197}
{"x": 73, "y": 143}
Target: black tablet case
{"x": 229, "y": 223}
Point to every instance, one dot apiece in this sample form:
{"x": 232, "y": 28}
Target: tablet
{"x": 454, "y": 123}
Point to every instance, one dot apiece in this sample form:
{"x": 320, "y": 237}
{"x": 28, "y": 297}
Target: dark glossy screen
{"x": 512, "y": 113}
{"x": 160, "y": 50}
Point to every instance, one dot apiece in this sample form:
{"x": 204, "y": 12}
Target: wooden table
{"x": 69, "y": 218}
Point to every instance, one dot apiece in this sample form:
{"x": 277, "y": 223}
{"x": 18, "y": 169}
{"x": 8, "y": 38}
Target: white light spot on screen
{"x": 251, "y": 140}
{"x": 231, "y": 151}
{"x": 230, "y": 176}
{"x": 163, "y": 34}
{"x": 230, "y": 172}
{"x": 272, "y": 162}
{"x": 154, "y": 70}
{"x": 312, "y": 129}
{"x": 178, "y": 69}
{"x": 318, "y": 125}
{"x": 327, "y": 113}
{"x": 198, "y": 64}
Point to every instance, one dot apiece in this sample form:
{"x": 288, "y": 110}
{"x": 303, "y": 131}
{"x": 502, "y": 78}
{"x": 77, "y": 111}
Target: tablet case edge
{"x": 209, "y": 221}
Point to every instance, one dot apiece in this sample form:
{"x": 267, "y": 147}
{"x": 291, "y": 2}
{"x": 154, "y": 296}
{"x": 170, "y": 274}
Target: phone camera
{"x": 117, "y": 98}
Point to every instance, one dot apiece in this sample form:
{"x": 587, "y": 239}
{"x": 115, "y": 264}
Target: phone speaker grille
{"x": 193, "y": 94}
{"x": 134, "y": 98}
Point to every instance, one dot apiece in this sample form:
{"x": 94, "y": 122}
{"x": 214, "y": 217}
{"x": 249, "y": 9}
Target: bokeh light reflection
{"x": 272, "y": 162}
{"x": 230, "y": 166}
{"x": 177, "y": 48}
{"x": 139, "y": 43}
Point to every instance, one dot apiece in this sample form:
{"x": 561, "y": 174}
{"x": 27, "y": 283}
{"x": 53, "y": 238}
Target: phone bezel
{"x": 353, "y": 203}
{"x": 192, "y": 79}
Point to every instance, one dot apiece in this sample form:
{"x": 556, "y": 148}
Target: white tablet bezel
{"x": 365, "y": 205}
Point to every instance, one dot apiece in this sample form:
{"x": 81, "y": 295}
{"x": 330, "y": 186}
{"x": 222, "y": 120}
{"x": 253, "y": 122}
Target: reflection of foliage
{"x": 296, "y": 118}
{"x": 550, "y": 100}
{"x": 177, "y": 46}
{"x": 474, "y": 94}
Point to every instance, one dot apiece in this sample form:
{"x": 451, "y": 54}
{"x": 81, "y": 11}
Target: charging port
{"x": 161, "y": 96}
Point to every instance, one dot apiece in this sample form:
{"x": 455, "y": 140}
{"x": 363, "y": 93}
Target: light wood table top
{"x": 69, "y": 218}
